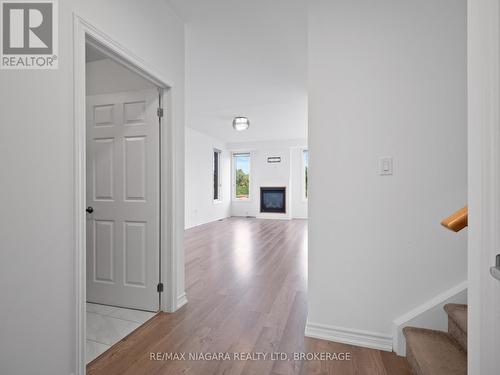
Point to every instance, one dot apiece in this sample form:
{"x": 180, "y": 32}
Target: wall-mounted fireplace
{"x": 273, "y": 199}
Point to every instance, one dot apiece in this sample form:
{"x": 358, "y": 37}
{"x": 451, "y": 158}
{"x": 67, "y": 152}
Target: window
{"x": 241, "y": 165}
{"x": 217, "y": 184}
{"x": 305, "y": 156}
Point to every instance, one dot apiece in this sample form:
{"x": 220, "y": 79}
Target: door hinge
{"x": 159, "y": 112}
{"x": 159, "y": 287}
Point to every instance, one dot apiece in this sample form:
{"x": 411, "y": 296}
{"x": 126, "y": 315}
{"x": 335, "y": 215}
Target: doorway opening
{"x": 123, "y": 128}
{"x": 125, "y": 236}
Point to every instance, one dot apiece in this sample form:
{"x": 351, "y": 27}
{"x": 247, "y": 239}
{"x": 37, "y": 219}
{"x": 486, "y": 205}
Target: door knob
{"x": 90, "y": 209}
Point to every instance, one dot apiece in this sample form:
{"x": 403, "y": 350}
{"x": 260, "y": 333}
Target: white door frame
{"x": 84, "y": 32}
{"x": 483, "y": 185}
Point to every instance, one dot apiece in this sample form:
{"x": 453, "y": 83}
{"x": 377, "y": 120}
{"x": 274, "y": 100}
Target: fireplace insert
{"x": 273, "y": 199}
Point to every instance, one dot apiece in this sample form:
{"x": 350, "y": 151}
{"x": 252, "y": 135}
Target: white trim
{"x": 269, "y": 216}
{"x": 207, "y": 222}
{"x": 349, "y": 336}
{"x": 219, "y": 195}
{"x": 121, "y": 55}
{"x": 181, "y": 301}
{"x": 432, "y": 306}
{"x": 431, "y": 303}
{"x": 483, "y": 61}
{"x": 303, "y": 173}
{"x": 83, "y": 32}
{"x": 79, "y": 191}
{"x": 173, "y": 231}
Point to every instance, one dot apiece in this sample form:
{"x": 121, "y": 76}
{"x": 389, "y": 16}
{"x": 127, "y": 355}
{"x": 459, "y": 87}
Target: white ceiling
{"x": 246, "y": 58}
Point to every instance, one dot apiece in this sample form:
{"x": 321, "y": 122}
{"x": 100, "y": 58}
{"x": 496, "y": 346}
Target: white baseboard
{"x": 349, "y": 336}
{"x": 272, "y": 216}
{"x": 186, "y": 227}
{"x": 428, "y": 315}
{"x": 181, "y": 301}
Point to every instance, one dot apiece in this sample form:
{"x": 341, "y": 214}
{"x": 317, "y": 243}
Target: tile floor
{"x": 106, "y": 325}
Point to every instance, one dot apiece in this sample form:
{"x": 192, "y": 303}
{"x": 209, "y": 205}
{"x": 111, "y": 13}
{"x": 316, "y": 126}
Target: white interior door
{"x": 123, "y": 192}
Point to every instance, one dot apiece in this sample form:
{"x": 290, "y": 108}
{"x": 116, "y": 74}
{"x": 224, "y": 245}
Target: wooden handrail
{"x": 457, "y": 221}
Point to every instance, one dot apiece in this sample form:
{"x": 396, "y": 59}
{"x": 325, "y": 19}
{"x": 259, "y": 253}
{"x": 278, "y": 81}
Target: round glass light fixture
{"x": 240, "y": 123}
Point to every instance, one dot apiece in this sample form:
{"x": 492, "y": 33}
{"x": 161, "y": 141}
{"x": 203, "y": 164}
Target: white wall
{"x": 106, "y": 76}
{"x": 386, "y": 77}
{"x": 199, "y": 203}
{"x": 37, "y": 257}
{"x": 264, "y": 174}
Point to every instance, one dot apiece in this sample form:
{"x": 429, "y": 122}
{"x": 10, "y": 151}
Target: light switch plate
{"x": 385, "y": 166}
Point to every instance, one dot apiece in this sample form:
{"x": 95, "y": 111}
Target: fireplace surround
{"x": 273, "y": 200}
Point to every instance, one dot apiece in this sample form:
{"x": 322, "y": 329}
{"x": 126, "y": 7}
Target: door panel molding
{"x": 123, "y": 187}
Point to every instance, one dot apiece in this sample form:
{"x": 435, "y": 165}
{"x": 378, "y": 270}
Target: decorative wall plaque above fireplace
{"x": 273, "y": 199}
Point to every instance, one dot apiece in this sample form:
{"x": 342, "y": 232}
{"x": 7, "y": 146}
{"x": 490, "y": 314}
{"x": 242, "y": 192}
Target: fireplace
{"x": 273, "y": 200}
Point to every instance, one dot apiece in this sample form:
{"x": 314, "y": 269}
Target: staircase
{"x": 432, "y": 352}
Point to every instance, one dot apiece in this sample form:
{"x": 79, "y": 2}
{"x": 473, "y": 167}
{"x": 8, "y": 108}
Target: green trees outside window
{"x": 242, "y": 175}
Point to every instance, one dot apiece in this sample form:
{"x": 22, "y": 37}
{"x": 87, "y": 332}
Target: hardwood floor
{"x": 246, "y": 286}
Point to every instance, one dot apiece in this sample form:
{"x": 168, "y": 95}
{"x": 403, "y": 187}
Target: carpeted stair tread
{"x": 434, "y": 352}
{"x": 457, "y": 323}
{"x": 457, "y": 313}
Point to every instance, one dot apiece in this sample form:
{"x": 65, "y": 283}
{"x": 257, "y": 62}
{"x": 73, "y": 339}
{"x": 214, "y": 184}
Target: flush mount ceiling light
{"x": 240, "y": 123}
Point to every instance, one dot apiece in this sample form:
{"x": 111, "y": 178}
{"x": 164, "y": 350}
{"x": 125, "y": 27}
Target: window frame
{"x": 219, "y": 179}
{"x": 233, "y": 176}
{"x": 305, "y": 186}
